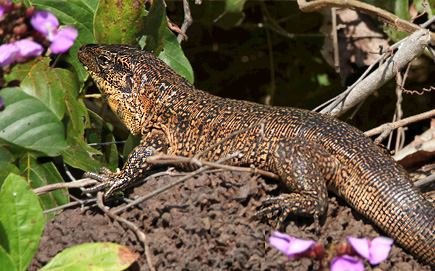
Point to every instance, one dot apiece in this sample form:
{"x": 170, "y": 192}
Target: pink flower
{"x": 347, "y": 263}
{"x": 19, "y": 51}
{"x": 47, "y": 24}
{"x": 375, "y": 251}
{"x": 291, "y": 246}
{"x": 3, "y": 8}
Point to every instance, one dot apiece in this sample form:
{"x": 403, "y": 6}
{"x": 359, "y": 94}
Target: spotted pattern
{"x": 311, "y": 153}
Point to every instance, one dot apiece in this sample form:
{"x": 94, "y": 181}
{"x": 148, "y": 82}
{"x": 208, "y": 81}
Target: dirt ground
{"x": 208, "y": 223}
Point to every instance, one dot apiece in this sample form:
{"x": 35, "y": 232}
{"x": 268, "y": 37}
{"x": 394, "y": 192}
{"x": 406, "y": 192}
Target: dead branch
{"x": 412, "y": 47}
{"x": 383, "y": 15}
{"x": 180, "y": 180}
{"x": 166, "y": 159}
{"x": 140, "y": 234}
{"x": 51, "y": 187}
{"x": 186, "y": 23}
{"x": 388, "y": 127}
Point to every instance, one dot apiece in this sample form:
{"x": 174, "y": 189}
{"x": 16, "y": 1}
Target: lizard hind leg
{"x": 293, "y": 160}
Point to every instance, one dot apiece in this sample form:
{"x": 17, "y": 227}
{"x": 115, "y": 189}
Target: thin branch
{"x": 166, "y": 159}
{"x": 383, "y": 15}
{"x": 411, "y": 48}
{"x": 428, "y": 180}
{"x": 140, "y": 234}
{"x": 394, "y": 125}
{"x": 51, "y": 187}
{"x": 158, "y": 191}
{"x": 187, "y": 21}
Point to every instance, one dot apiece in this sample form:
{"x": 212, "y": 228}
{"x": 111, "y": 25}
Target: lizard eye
{"x": 104, "y": 60}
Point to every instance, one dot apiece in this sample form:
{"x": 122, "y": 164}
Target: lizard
{"x": 310, "y": 152}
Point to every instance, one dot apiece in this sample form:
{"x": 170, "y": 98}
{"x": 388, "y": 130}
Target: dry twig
{"x": 386, "y": 128}
{"x": 140, "y": 234}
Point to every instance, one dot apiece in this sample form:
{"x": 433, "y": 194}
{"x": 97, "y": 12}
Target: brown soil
{"x": 208, "y": 223}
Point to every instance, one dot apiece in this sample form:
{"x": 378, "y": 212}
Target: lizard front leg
{"x": 134, "y": 168}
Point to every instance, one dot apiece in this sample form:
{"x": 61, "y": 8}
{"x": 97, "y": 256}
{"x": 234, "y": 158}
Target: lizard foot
{"x": 291, "y": 204}
{"x": 107, "y": 179}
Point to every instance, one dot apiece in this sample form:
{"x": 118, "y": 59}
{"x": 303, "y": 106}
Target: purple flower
{"x": 290, "y": 245}
{"x": 19, "y": 51}
{"x": 47, "y": 24}
{"x": 375, "y": 251}
{"x": 347, "y": 263}
{"x": 63, "y": 40}
{"x": 3, "y": 9}
{"x": 1, "y": 104}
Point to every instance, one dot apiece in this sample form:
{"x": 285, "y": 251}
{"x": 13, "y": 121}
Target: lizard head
{"x": 128, "y": 78}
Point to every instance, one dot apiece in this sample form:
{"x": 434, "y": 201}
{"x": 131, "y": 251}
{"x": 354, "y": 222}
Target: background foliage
{"x": 247, "y": 50}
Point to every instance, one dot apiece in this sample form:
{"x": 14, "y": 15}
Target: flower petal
{"x": 28, "y": 48}
{"x": 380, "y": 249}
{"x": 299, "y": 246}
{"x": 346, "y": 262}
{"x": 8, "y": 53}
{"x": 44, "y": 22}
{"x": 63, "y": 40}
{"x": 280, "y": 244}
{"x": 361, "y": 246}
{"x": 2, "y": 11}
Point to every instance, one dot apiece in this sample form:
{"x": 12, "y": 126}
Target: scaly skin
{"x": 310, "y": 152}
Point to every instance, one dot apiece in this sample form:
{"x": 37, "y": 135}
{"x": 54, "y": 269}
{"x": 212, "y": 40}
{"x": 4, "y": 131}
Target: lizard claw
{"x": 107, "y": 179}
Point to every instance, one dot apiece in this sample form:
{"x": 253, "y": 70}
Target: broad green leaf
{"x": 173, "y": 55}
{"x": 155, "y": 25}
{"x": 41, "y": 173}
{"x": 100, "y": 133}
{"x": 5, "y": 154}
{"x": 78, "y": 14}
{"x": 44, "y": 83}
{"x": 119, "y": 22}
{"x": 79, "y": 155}
{"x": 22, "y": 221}
{"x": 93, "y": 256}
{"x": 28, "y": 123}
{"x": 6, "y": 262}
{"x": 430, "y": 7}
{"x": 401, "y": 9}
{"x": 5, "y": 169}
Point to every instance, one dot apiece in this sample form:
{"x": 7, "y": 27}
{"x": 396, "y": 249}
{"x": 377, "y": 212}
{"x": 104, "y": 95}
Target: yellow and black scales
{"x": 310, "y": 152}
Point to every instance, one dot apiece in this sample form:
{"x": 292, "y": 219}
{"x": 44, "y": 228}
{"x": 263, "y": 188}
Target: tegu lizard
{"x": 310, "y": 152}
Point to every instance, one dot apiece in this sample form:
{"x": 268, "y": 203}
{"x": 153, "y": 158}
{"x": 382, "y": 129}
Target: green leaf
{"x": 94, "y": 256}
{"x": 430, "y": 7}
{"x": 22, "y": 221}
{"x": 78, "y": 14}
{"x": 41, "y": 173}
{"x": 6, "y": 262}
{"x": 228, "y": 13}
{"x": 5, "y": 154}
{"x": 155, "y": 25}
{"x": 100, "y": 133}
{"x": 119, "y": 21}
{"x": 79, "y": 155}
{"x": 401, "y": 9}
{"x": 173, "y": 55}
{"x": 5, "y": 169}
{"x": 28, "y": 123}
{"x": 44, "y": 83}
